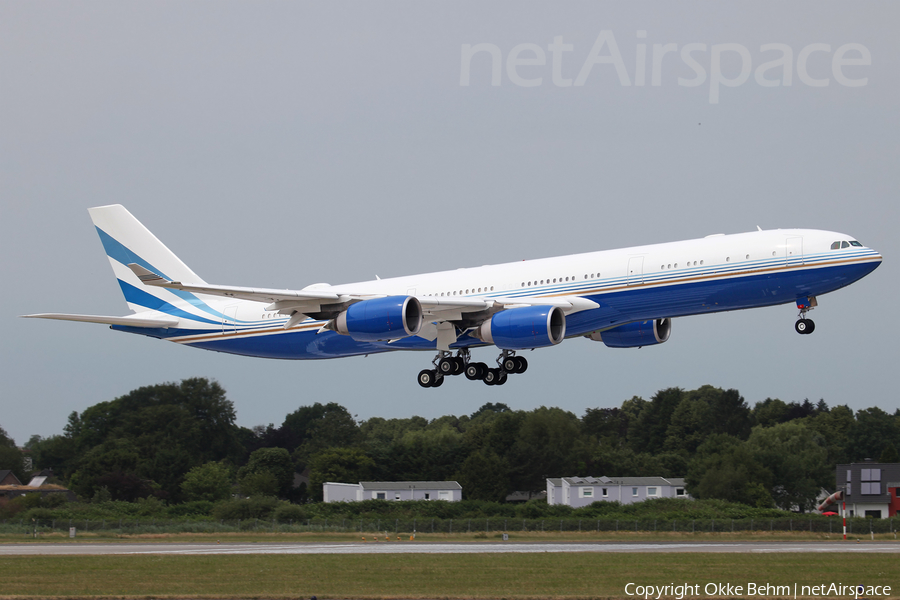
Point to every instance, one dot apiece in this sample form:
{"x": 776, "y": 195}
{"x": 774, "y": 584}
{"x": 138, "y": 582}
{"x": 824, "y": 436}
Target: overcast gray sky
{"x": 280, "y": 144}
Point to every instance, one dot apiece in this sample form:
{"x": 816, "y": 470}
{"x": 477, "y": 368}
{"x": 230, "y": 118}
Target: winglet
{"x": 147, "y": 276}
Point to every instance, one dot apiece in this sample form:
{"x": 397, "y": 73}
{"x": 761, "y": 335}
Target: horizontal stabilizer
{"x": 125, "y": 321}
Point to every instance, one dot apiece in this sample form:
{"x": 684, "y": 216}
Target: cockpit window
{"x": 845, "y": 244}
{"x": 855, "y": 243}
{"x": 835, "y": 245}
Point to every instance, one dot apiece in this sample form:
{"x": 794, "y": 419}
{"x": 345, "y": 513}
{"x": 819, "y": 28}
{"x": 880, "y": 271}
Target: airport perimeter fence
{"x": 833, "y": 525}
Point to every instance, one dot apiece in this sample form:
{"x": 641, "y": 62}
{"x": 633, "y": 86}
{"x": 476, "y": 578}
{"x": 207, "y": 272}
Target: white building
{"x": 449, "y": 491}
{"x": 581, "y": 491}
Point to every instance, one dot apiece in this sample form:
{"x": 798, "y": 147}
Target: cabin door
{"x": 229, "y": 321}
{"x": 794, "y": 251}
{"x": 635, "y": 273}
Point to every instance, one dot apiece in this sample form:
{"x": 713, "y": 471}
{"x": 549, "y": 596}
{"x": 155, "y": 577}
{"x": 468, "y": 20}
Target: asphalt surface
{"x": 382, "y": 547}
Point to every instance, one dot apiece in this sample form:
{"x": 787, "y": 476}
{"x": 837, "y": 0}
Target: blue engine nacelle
{"x": 380, "y": 319}
{"x": 524, "y": 328}
{"x": 635, "y": 335}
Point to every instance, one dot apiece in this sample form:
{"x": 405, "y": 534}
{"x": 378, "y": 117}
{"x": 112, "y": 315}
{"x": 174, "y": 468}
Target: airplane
{"x": 624, "y": 298}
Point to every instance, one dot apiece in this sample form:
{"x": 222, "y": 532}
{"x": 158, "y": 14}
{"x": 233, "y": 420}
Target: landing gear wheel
{"x": 804, "y": 326}
{"x": 502, "y": 379}
{"x": 438, "y": 382}
{"x": 474, "y": 372}
{"x": 447, "y": 366}
{"x": 459, "y": 365}
{"x": 511, "y": 364}
{"x": 492, "y": 376}
{"x": 521, "y": 364}
{"x": 427, "y": 378}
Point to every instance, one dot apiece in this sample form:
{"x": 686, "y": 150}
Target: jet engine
{"x": 635, "y": 335}
{"x": 380, "y": 319}
{"x": 524, "y": 328}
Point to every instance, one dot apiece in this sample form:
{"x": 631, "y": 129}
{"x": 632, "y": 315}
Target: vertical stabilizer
{"x": 125, "y": 241}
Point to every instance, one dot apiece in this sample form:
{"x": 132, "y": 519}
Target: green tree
{"x": 834, "y": 427}
{"x": 874, "y": 430}
{"x": 275, "y": 461}
{"x": 692, "y": 422}
{"x": 769, "y": 412}
{"x": 11, "y": 457}
{"x": 484, "y": 476}
{"x": 889, "y": 454}
{"x": 154, "y": 434}
{"x": 549, "y": 444}
{"x": 261, "y": 483}
{"x": 605, "y": 424}
{"x": 210, "y": 481}
{"x": 651, "y": 425}
{"x": 724, "y": 467}
{"x": 798, "y": 461}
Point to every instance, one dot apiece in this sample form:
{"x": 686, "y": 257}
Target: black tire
{"x": 446, "y": 366}
{"x": 459, "y": 365}
{"x": 438, "y": 382}
{"x": 811, "y": 326}
{"x": 491, "y": 377}
{"x": 510, "y": 364}
{"x": 502, "y": 379}
{"x": 473, "y": 372}
{"x": 482, "y": 370}
{"x": 523, "y": 364}
{"x": 427, "y": 377}
{"x": 801, "y": 326}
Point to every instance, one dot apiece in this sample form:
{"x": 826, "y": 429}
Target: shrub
{"x": 287, "y": 513}
{"x": 258, "y": 507}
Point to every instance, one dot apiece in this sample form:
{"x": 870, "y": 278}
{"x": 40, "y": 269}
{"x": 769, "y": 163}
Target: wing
{"x": 444, "y": 317}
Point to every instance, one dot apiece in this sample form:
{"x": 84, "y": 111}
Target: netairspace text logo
{"x": 527, "y": 64}
{"x": 722, "y": 590}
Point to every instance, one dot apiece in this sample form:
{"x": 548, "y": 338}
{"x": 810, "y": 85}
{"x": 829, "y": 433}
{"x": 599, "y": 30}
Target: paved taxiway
{"x": 439, "y": 548}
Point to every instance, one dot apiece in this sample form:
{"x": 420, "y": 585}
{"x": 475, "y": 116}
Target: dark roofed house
{"x": 7, "y": 477}
{"x": 871, "y": 489}
{"x": 11, "y": 487}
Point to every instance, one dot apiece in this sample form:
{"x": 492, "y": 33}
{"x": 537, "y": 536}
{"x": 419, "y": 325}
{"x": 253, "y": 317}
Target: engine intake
{"x": 524, "y": 328}
{"x": 635, "y": 335}
{"x": 379, "y": 319}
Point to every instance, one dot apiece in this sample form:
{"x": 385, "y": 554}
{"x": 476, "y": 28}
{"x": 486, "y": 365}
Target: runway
{"x": 75, "y": 549}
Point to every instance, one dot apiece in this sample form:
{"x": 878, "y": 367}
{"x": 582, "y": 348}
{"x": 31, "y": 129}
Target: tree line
{"x": 178, "y": 442}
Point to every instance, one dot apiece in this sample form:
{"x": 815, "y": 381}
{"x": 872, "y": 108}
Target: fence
{"x": 857, "y": 526}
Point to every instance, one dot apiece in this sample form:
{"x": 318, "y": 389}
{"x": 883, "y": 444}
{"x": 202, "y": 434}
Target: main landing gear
{"x": 445, "y": 364}
{"x": 803, "y": 325}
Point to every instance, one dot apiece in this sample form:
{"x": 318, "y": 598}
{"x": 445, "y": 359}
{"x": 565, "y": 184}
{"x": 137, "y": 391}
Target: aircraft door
{"x": 635, "y": 274}
{"x": 794, "y": 251}
{"x": 229, "y": 322}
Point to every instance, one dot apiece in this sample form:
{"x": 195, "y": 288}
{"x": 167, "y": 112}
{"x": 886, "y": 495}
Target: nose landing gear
{"x": 803, "y": 325}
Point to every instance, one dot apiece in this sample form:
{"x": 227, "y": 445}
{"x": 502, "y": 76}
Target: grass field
{"x": 476, "y": 576}
{"x": 537, "y": 536}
